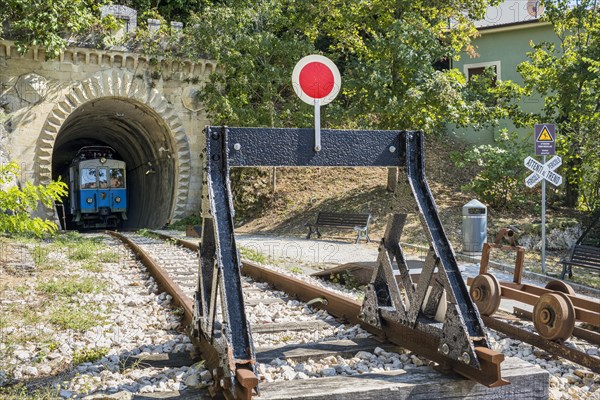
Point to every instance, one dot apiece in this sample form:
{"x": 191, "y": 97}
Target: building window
{"x": 477, "y": 69}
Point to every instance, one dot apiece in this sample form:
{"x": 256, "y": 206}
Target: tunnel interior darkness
{"x": 140, "y": 138}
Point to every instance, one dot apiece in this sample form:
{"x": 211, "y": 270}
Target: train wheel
{"x": 485, "y": 292}
{"x": 560, "y": 286}
{"x": 554, "y": 316}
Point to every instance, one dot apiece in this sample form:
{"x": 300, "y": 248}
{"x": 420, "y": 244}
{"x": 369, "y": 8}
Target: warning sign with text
{"x": 545, "y": 139}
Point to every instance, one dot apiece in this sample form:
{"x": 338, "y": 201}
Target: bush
{"x": 18, "y": 201}
{"x": 499, "y": 182}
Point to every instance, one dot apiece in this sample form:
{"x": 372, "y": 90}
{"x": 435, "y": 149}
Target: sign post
{"x": 316, "y": 80}
{"x": 545, "y": 145}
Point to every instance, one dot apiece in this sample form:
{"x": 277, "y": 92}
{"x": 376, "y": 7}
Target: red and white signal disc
{"x": 316, "y": 78}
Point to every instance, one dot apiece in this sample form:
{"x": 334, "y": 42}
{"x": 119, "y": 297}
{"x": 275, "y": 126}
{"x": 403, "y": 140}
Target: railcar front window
{"x": 117, "y": 176}
{"x": 88, "y": 178}
{"x": 102, "y": 178}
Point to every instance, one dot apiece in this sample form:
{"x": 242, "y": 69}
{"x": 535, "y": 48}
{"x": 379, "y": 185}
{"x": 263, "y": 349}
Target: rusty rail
{"x": 246, "y": 381}
{"x": 348, "y": 309}
{"x": 550, "y": 346}
{"x": 161, "y": 277}
{"x": 585, "y": 334}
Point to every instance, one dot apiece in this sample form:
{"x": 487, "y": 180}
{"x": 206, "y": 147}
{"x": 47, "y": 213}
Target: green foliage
{"x": 169, "y": 10}
{"x": 296, "y": 270}
{"x": 567, "y": 76}
{"x": 20, "y": 391}
{"x": 70, "y": 287}
{"x": 109, "y": 257}
{"x": 257, "y": 45}
{"x": 346, "y": 279}
{"x": 147, "y": 233}
{"x": 84, "y": 251}
{"x": 92, "y": 266}
{"x": 183, "y": 223}
{"x": 387, "y": 52}
{"x": 47, "y": 24}
{"x": 18, "y": 202}
{"x": 89, "y": 355}
{"x": 75, "y": 317}
{"x": 499, "y": 182}
{"x": 252, "y": 255}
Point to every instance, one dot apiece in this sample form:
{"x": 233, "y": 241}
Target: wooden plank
{"x": 186, "y": 394}
{"x": 304, "y": 351}
{"x": 312, "y": 326}
{"x": 423, "y": 383}
{"x": 267, "y": 301}
{"x": 161, "y": 360}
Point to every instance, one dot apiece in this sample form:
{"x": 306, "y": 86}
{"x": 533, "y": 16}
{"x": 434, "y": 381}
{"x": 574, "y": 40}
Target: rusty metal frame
{"x": 220, "y": 322}
{"x": 422, "y": 342}
{"x": 585, "y": 310}
{"x": 461, "y": 332}
{"x": 536, "y": 340}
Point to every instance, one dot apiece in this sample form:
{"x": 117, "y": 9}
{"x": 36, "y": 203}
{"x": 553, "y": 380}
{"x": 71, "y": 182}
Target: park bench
{"x": 357, "y": 222}
{"x": 581, "y": 256}
{"x": 585, "y": 253}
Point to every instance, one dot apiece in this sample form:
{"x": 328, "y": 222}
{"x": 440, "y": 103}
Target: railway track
{"x": 287, "y": 332}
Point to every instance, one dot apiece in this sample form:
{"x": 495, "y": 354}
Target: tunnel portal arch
{"x": 117, "y": 109}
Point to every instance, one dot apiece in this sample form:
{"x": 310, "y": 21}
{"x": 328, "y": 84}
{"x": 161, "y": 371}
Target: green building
{"x": 502, "y": 45}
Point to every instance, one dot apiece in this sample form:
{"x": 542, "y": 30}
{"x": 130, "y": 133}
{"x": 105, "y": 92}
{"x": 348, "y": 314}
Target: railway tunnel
{"x": 141, "y": 138}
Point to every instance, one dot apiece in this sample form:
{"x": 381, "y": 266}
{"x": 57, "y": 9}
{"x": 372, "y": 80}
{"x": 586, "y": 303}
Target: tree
{"x": 567, "y": 76}
{"x": 392, "y": 56}
{"x": 47, "y": 23}
{"x": 170, "y": 10}
{"x": 256, "y": 45}
{"x": 16, "y": 203}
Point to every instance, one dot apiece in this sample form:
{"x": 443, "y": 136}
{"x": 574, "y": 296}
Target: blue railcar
{"x": 98, "y": 188}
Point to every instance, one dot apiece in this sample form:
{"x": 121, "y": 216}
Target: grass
{"x": 22, "y": 392}
{"x": 89, "y": 355}
{"x": 109, "y": 257}
{"x": 146, "y": 233}
{"x": 85, "y": 251}
{"x": 92, "y": 266}
{"x": 252, "y": 255}
{"x": 40, "y": 255}
{"x": 346, "y": 279}
{"x": 77, "y": 318}
{"x": 296, "y": 270}
{"x": 183, "y": 223}
{"x": 70, "y": 286}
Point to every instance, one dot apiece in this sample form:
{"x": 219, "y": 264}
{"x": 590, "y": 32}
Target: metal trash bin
{"x": 474, "y": 227}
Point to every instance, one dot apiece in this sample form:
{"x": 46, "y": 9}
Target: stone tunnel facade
{"x": 145, "y": 109}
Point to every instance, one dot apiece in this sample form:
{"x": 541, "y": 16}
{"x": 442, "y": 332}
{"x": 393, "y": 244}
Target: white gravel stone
{"x": 22, "y": 355}
{"x": 31, "y": 371}
{"x": 328, "y": 372}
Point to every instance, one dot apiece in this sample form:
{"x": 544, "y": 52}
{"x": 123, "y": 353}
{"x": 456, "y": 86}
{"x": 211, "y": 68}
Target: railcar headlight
{"x": 117, "y": 199}
{"x": 89, "y": 200}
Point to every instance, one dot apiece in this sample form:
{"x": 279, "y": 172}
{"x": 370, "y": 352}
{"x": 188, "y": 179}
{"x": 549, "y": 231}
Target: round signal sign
{"x": 316, "y": 78}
